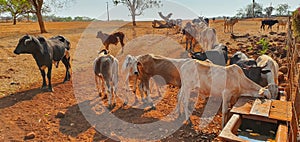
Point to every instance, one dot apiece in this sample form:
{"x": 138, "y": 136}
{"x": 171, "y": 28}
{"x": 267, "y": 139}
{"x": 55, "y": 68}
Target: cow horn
{"x": 28, "y": 40}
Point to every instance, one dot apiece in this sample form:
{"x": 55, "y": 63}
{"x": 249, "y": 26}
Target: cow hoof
{"x": 111, "y": 106}
{"x": 50, "y": 89}
{"x": 44, "y": 87}
{"x": 153, "y": 108}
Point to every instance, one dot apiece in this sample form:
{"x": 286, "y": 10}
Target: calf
{"x": 218, "y": 55}
{"x": 45, "y": 52}
{"x": 106, "y": 73}
{"x": 150, "y": 65}
{"x": 270, "y": 23}
{"x": 220, "y": 82}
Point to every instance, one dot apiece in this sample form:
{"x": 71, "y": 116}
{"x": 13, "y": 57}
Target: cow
{"x": 249, "y": 66}
{"x": 114, "y": 38}
{"x": 206, "y": 36}
{"x": 270, "y": 68}
{"x": 218, "y": 55}
{"x": 106, "y": 69}
{"x": 190, "y": 36}
{"x": 150, "y": 65}
{"x": 218, "y": 81}
{"x": 229, "y": 23}
{"x": 270, "y": 23}
{"x": 45, "y": 52}
{"x": 282, "y": 23}
{"x": 129, "y": 67}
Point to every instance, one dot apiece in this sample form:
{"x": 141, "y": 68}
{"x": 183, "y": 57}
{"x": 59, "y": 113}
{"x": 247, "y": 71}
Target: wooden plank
{"x": 281, "y": 110}
{"x": 230, "y": 130}
{"x": 261, "y": 107}
{"x": 282, "y": 133}
{"x": 243, "y": 105}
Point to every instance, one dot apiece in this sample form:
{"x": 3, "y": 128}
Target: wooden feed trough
{"x": 259, "y": 120}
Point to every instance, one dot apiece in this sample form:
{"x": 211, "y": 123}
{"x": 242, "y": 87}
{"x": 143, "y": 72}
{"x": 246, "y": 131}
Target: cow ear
{"x": 28, "y": 40}
{"x": 41, "y": 39}
{"x": 126, "y": 62}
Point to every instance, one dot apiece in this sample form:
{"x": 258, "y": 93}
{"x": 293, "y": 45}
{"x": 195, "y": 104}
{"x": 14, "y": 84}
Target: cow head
{"x": 130, "y": 64}
{"x": 27, "y": 45}
{"x": 99, "y": 34}
{"x": 263, "y": 92}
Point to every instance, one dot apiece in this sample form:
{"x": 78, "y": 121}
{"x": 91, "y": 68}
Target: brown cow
{"x": 151, "y": 65}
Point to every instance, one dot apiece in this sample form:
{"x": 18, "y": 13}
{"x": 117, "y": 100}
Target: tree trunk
{"x": 41, "y": 22}
{"x": 14, "y": 20}
{"x": 133, "y": 20}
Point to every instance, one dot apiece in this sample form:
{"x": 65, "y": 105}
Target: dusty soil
{"x": 58, "y": 115}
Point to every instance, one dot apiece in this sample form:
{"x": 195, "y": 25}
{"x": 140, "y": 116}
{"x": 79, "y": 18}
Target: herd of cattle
{"x": 205, "y": 71}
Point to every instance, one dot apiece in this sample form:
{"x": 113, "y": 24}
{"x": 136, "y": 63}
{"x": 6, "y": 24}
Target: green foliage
{"x": 269, "y": 11}
{"x": 282, "y": 9}
{"x": 296, "y": 22}
{"x": 265, "y": 45}
{"x": 248, "y": 10}
{"x": 15, "y": 7}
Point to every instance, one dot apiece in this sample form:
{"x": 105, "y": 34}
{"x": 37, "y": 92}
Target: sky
{"x": 184, "y": 9}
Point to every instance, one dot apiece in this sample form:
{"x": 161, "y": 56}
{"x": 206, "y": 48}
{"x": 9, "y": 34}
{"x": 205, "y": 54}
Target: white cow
{"x": 106, "y": 73}
{"x": 206, "y": 36}
{"x": 220, "y": 82}
{"x": 271, "y": 68}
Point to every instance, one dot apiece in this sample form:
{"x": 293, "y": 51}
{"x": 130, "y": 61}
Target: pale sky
{"x": 184, "y": 9}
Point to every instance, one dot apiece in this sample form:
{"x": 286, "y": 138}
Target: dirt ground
{"x": 57, "y": 116}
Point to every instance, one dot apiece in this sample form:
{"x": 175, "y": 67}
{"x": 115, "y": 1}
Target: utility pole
{"x": 107, "y": 11}
{"x": 253, "y": 6}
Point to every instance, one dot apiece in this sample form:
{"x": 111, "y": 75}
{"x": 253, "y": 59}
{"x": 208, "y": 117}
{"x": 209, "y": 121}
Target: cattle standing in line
{"x": 221, "y": 82}
{"x": 45, "y": 52}
{"x": 106, "y": 73}
{"x": 153, "y": 65}
{"x": 270, "y": 23}
{"x": 218, "y": 55}
{"x": 111, "y": 39}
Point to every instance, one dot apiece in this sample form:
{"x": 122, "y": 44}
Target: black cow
{"x": 45, "y": 52}
{"x": 249, "y": 66}
{"x": 218, "y": 55}
{"x": 270, "y": 23}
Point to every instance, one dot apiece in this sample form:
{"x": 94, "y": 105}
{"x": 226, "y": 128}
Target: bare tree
{"x": 269, "y": 11}
{"x": 137, "y": 7}
{"x": 39, "y": 7}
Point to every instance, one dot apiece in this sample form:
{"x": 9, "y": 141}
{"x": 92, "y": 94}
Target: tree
{"x": 15, "y": 8}
{"x": 251, "y": 10}
{"x": 39, "y": 7}
{"x": 282, "y": 9}
{"x": 269, "y": 11}
{"x": 137, "y": 7}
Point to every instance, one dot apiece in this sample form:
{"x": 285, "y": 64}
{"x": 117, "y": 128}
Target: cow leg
{"x": 186, "y": 43}
{"x": 97, "y": 80}
{"x": 66, "y": 62}
{"x": 44, "y": 86}
{"x": 149, "y": 100}
{"x": 49, "y": 78}
{"x": 226, "y": 96}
